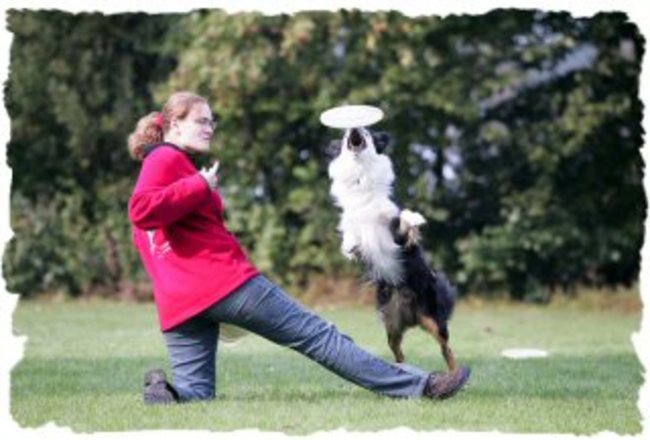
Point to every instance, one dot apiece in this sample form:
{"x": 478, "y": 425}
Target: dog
{"x": 386, "y": 240}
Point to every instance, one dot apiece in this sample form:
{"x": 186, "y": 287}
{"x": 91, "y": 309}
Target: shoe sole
{"x": 465, "y": 374}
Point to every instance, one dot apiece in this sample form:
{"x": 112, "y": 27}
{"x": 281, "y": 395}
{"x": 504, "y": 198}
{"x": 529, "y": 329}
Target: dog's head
{"x": 358, "y": 142}
{"x": 358, "y": 168}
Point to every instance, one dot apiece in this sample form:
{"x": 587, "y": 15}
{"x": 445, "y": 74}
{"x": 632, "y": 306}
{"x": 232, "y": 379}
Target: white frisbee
{"x": 230, "y": 334}
{"x": 524, "y": 353}
{"x": 351, "y": 116}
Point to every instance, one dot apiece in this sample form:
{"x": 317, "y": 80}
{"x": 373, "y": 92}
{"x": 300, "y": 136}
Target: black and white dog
{"x": 386, "y": 239}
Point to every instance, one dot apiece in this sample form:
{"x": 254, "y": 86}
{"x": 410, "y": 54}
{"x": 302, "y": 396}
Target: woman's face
{"x": 196, "y": 130}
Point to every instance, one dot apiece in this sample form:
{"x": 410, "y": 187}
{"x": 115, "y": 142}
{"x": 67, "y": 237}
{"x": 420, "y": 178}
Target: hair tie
{"x": 160, "y": 120}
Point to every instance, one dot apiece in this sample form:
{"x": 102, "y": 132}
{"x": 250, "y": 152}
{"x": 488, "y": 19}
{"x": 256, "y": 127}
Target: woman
{"x": 202, "y": 276}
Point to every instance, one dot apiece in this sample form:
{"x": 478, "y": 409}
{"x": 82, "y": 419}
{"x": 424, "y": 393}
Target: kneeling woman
{"x": 202, "y": 276}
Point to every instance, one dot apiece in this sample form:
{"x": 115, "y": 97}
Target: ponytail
{"x": 149, "y": 130}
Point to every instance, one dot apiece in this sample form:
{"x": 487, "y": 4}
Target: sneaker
{"x": 443, "y": 385}
{"x": 157, "y": 390}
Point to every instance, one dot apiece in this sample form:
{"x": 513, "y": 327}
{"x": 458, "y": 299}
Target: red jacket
{"x": 189, "y": 254}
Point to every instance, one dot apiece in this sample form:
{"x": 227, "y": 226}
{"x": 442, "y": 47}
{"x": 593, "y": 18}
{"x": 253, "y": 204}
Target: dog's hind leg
{"x": 442, "y": 336}
{"x": 395, "y": 344}
{"x": 389, "y": 311}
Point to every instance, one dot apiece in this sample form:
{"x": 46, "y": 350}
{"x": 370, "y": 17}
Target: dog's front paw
{"x": 349, "y": 246}
{"x": 411, "y": 218}
{"x": 350, "y": 252}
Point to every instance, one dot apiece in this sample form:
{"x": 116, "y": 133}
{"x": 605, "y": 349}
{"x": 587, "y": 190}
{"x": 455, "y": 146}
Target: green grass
{"x": 84, "y": 363}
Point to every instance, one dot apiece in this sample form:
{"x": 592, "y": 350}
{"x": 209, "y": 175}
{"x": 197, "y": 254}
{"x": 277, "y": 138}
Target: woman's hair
{"x": 151, "y": 128}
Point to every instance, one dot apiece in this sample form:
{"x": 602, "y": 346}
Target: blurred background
{"x": 516, "y": 133}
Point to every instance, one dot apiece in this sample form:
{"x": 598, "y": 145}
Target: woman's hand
{"x": 210, "y": 175}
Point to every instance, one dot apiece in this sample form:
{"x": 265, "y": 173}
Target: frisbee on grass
{"x": 524, "y": 353}
{"x": 351, "y": 116}
{"x": 230, "y": 334}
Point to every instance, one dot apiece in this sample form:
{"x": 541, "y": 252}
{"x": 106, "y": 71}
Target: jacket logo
{"x": 158, "y": 246}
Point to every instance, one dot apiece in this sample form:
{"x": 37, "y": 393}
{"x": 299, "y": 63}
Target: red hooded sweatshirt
{"x": 189, "y": 254}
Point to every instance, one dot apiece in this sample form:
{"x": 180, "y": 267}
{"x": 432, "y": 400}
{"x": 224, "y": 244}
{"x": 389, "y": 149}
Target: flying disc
{"x": 351, "y": 116}
{"x": 230, "y": 334}
{"x": 524, "y": 353}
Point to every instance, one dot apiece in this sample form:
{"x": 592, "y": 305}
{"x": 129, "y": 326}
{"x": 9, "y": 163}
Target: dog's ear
{"x": 382, "y": 140}
{"x": 333, "y": 149}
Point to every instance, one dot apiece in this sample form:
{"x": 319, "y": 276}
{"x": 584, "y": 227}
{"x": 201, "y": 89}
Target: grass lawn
{"x": 84, "y": 364}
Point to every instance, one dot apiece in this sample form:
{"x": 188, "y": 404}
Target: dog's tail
{"x": 445, "y": 301}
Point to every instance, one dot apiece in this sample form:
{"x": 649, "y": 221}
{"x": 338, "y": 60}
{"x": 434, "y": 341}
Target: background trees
{"x": 516, "y": 133}
{"x": 77, "y": 84}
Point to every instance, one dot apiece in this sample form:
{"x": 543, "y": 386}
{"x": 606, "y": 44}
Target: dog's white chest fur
{"x": 361, "y": 187}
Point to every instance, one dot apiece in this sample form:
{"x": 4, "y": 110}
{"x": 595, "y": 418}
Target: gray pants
{"x": 263, "y": 308}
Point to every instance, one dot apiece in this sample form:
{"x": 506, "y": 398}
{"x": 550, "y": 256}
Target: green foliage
{"x": 516, "y": 134}
{"x": 570, "y": 200}
{"x": 77, "y": 85}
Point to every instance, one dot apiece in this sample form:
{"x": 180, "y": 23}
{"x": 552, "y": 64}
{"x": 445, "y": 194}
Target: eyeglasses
{"x": 207, "y": 122}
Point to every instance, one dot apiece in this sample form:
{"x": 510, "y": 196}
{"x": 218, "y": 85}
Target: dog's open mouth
{"x": 356, "y": 142}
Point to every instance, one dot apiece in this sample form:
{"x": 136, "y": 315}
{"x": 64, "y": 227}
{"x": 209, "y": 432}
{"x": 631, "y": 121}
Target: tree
{"x": 76, "y": 87}
{"x": 516, "y": 134}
